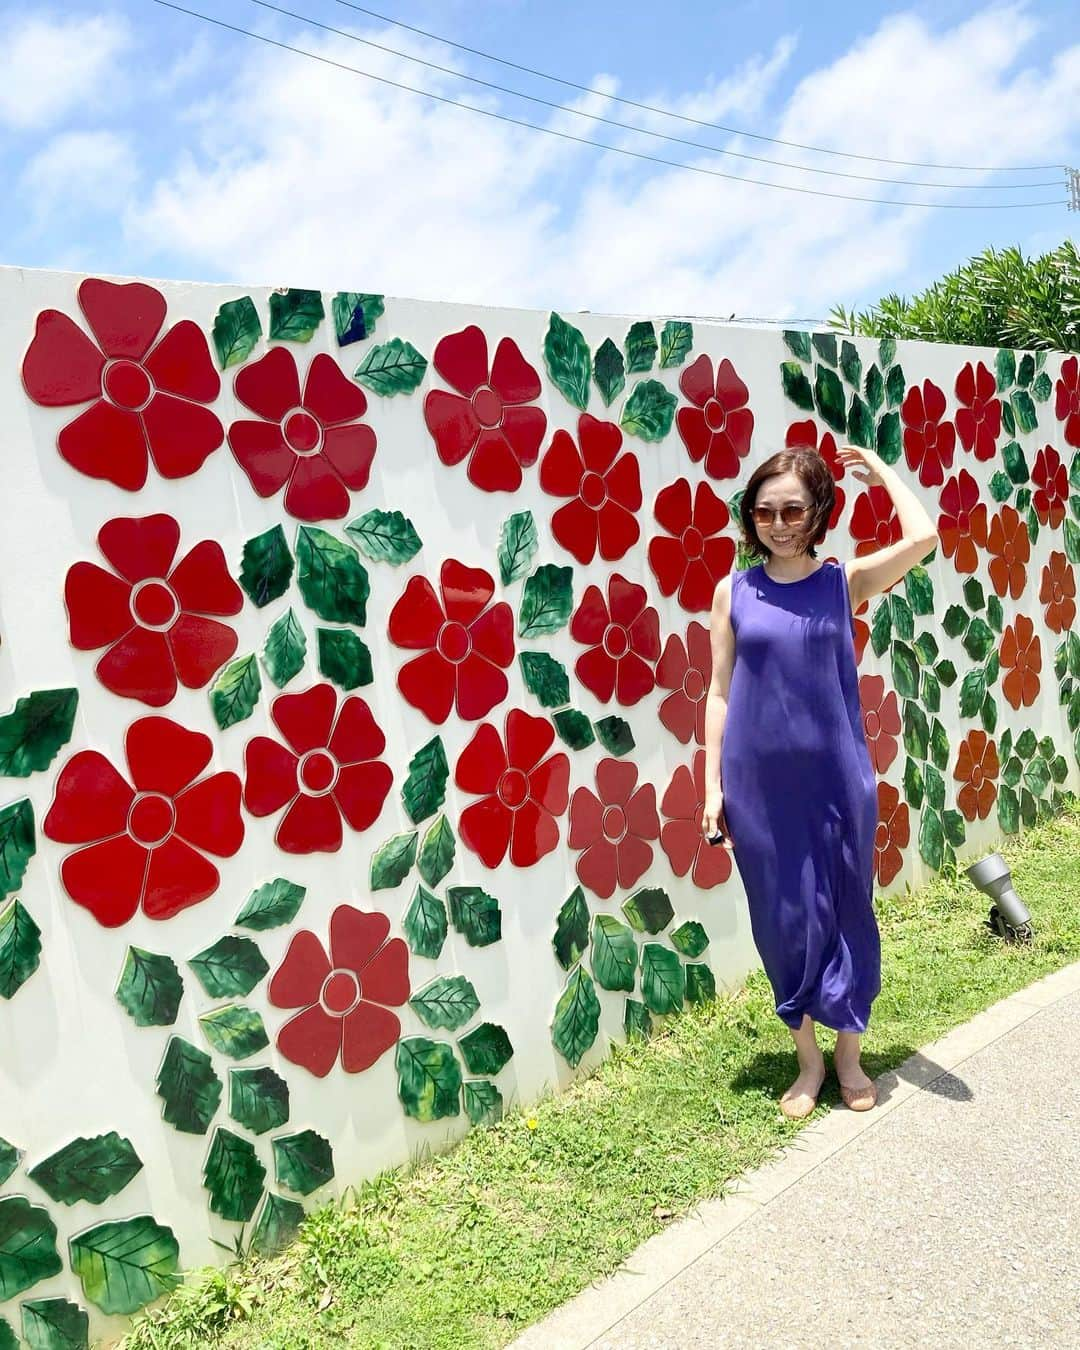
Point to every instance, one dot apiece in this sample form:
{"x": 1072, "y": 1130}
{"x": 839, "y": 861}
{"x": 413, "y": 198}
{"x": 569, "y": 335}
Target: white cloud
{"x": 50, "y": 66}
{"x": 79, "y": 170}
{"x": 312, "y": 176}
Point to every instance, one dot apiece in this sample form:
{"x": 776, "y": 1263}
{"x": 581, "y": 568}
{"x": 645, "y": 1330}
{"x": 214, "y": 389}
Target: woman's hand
{"x": 866, "y": 465}
{"x": 713, "y": 817}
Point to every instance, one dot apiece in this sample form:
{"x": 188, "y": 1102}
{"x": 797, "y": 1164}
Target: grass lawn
{"x": 468, "y": 1248}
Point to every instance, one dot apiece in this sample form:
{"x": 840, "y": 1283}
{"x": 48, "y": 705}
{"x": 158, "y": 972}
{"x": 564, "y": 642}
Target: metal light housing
{"x": 1009, "y": 916}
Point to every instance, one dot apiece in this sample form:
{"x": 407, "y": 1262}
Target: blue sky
{"x": 138, "y": 140}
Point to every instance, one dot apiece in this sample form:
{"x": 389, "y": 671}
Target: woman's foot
{"x": 801, "y": 1097}
{"x": 856, "y": 1088}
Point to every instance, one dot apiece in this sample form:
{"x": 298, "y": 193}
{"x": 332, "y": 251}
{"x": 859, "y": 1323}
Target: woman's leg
{"x": 811, "y": 1065}
{"x": 846, "y": 1060}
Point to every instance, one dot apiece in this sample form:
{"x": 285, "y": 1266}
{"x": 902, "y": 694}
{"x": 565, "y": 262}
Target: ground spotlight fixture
{"x": 1009, "y": 917}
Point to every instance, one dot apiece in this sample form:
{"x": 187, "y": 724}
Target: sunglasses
{"x": 790, "y": 515}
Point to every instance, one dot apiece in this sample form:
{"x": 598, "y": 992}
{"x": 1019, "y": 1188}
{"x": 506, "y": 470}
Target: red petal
{"x": 177, "y": 878}
{"x": 165, "y": 757}
{"x": 361, "y": 790}
{"x": 310, "y": 825}
{"x": 481, "y": 763}
{"x": 139, "y": 665}
{"x": 417, "y": 617}
{"x": 712, "y": 866}
{"x": 730, "y": 390}
{"x": 696, "y": 591}
{"x": 270, "y": 776}
{"x": 465, "y": 590}
{"x": 125, "y": 318}
{"x": 965, "y": 384}
{"x": 480, "y": 687}
{"x": 330, "y": 394}
{"x": 493, "y": 634}
{"x": 355, "y": 937}
{"x": 305, "y": 719}
{"x": 586, "y": 818}
{"x": 695, "y": 434}
{"x": 618, "y": 531}
{"x": 385, "y": 979}
{"x": 298, "y": 981}
{"x": 315, "y": 492}
{"x": 312, "y": 1039}
{"x": 672, "y": 508}
{"x": 91, "y": 802}
{"x": 933, "y": 400}
{"x": 590, "y": 619}
{"x": 202, "y": 582}
{"x": 260, "y": 450}
{"x": 208, "y": 815}
{"x": 644, "y": 635}
{"x": 623, "y": 482}
{"x": 367, "y": 1033}
{"x": 106, "y": 442}
{"x": 626, "y": 600}
{"x": 635, "y": 859}
{"x": 485, "y": 828}
{"x": 350, "y": 452}
{"x": 561, "y": 469}
{"x": 596, "y": 671}
{"x": 641, "y": 817}
{"x": 600, "y": 443}
{"x": 633, "y": 680}
{"x": 357, "y": 736}
{"x": 696, "y": 381}
{"x": 512, "y": 378}
{"x": 140, "y": 547}
{"x": 667, "y": 559}
{"x": 270, "y": 386}
{"x": 528, "y": 739}
{"x": 462, "y": 359}
{"x": 98, "y": 606}
{"x": 533, "y": 835}
{"x": 673, "y": 664}
{"x": 493, "y": 466}
{"x": 524, "y": 430}
{"x": 62, "y": 366}
{"x": 107, "y": 879}
{"x": 429, "y": 682}
{"x": 679, "y": 839}
{"x": 679, "y": 715}
{"x": 597, "y": 868}
{"x": 181, "y": 364}
{"x": 452, "y": 423}
{"x": 575, "y": 526}
{"x": 181, "y": 434}
{"x": 710, "y": 511}
{"x": 681, "y": 798}
{"x": 199, "y": 648}
{"x": 549, "y": 784}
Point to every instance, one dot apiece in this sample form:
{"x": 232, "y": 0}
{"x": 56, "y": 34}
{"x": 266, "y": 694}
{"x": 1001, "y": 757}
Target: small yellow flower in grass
{"x": 532, "y": 1123}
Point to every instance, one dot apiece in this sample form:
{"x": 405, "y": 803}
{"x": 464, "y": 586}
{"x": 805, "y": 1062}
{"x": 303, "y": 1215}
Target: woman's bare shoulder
{"x": 721, "y": 601}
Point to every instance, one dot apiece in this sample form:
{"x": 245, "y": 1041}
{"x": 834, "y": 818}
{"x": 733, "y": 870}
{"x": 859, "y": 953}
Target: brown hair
{"x": 816, "y": 476}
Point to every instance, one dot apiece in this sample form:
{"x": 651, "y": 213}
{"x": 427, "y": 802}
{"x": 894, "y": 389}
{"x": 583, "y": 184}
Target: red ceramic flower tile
{"x": 467, "y": 643}
{"x": 962, "y": 525}
{"x": 719, "y": 425}
{"x": 345, "y": 997}
{"x": 487, "y": 420}
{"x": 522, "y": 790}
{"x": 142, "y": 846}
{"x": 150, "y": 611}
{"x": 1067, "y": 400}
{"x": 1051, "y": 481}
{"x": 613, "y": 828}
{"x": 881, "y": 721}
{"x": 1058, "y": 593}
{"x": 693, "y": 555}
{"x": 976, "y": 768}
{"x": 312, "y": 445}
{"x": 928, "y": 441}
{"x": 804, "y": 436}
{"x": 681, "y": 838}
{"x": 978, "y": 422}
{"x": 686, "y": 669}
{"x": 623, "y": 637}
{"x": 146, "y": 400}
{"x": 1010, "y": 546}
{"x": 605, "y": 488}
{"x": 1020, "y": 653}
{"x": 874, "y": 522}
{"x": 328, "y": 768}
{"x": 893, "y": 834}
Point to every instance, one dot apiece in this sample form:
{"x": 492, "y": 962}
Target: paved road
{"x": 948, "y": 1216}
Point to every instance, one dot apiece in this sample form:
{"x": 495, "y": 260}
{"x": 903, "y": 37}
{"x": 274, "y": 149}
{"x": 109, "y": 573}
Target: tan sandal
{"x": 796, "y": 1113}
{"x": 859, "y": 1099}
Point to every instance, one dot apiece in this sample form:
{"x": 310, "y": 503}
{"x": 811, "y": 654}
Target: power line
{"x": 643, "y": 131}
{"x": 695, "y": 121}
{"x": 598, "y": 145}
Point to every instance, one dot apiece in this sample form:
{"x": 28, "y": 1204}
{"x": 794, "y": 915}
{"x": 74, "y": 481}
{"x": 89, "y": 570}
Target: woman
{"x": 788, "y": 778}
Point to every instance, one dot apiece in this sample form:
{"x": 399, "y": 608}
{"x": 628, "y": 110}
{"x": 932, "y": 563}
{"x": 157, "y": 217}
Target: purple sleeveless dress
{"x": 800, "y": 795}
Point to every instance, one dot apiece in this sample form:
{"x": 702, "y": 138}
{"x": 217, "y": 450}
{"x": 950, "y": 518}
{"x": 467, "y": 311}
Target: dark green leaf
{"x": 18, "y": 844}
{"x": 87, "y": 1169}
{"x": 615, "y": 735}
{"x": 886, "y": 352}
{"x": 640, "y": 347}
{"x": 888, "y": 437}
{"x": 905, "y": 671}
{"x": 939, "y": 745}
{"x": 285, "y": 649}
{"x": 546, "y": 601}
{"x": 486, "y": 1049}
{"x": 1000, "y": 487}
{"x": 517, "y": 546}
{"x": 1029, "y": 812}
{"x": 447, "y": 1002}
{"x": 236, "y": 331}
{"x": 9, "y": 1159}
{"x": 1059, "y": 769}
{"x": 609, "y": 372}
{"x": 663, "y": 980}
{"x": 390, "y": 368}
{"x": 577, "y": 1017}
{"x": 124, "y": 1266}
{"x": 825, "y": 346}
{"x": 916, "y": 730}
{"x": 1037, "y": 776}
{"x": 903, "y": 622}
{"x": 385, "y": 536}
{"x": 332, "y": 579}
{"x": 483, "y": 1102}
{"x": 303, "y": 1162}
{"x": 235, "y": 1031}
{"x": 546, "y": 678}
{"x": 700, "y": 983}
{"x": 425, "y": 787}
{"x": 874, "y": 389}
{"x": 1013, "y": 771}
{"x": 979, "y": 639}
{"x": 355, "y": 315}
{"x": 931, "y": 692}
{"x": 436, "y": 856}
{"x": 150, "y": 988}
{"x": 343, "y": 657}
{"x": 614, "y": 954}
{"x": 390, "y": 863}
{"x": 267, "y": 566}
{"x": 235, "y": 692}
{"x": 425, "y": 924}
{"x": 1072, "y": 540}
{"x": 637, "y": 1020}
{"x": 860, "y": 423}
{"x": 946, "y": 673}
{"x": 35, "y": 730}
{"x": 798, "y": 342}
{"x": 429, "y": 1078}
{"x": 277, "y": 1225}
{"x": 20, "y": 948}
{"x": 475, "y": 914}
{"x": 955, "y": 621}
{"x": 988, "y": 715}
{"x": 649, "y": 910}
{"x": 8, "y": 1339}
{"x": 188, "y": 1086}
{"x": 935, "y": 787}
{"x": 914, "y": 786}
{"x": 258, "y": 1099}
{"x": 894, "y": 386}
{"x": 54, "y": 1324}
{"x": 675, "y": 342}
{"x": 1005, "y": 366}
{"x": 27, "y": 1246}
{"x": 1025, "y": 372}
{"x": 851, "y": 363}
{"x": 571, "y": 929}
{"x": 926, "y": 649}
{"x": 567, "y": 356}
{"x": 574, "y": 728}
{"x": 797, "y": 388}
{"x": 974, "y": 596}
{"x": 690, "y": 938}
{"x": 881, "y": 628}
{"x": 295, "y": 315}
{"x": 234, "y": 1176}
{"x": 953, "y": 823}
{"x": 829, "y": 397}
{"x": 649, "y": 411}
{"x": 931, "y": 839}
{"x": 1042, "y": 387}
{"x": 1016, "y": 465}
{"x": 232, "y": 966}
{"x": 920, "y": 590}
{"x": 972, "y": 692}
{"x": 271, "y": 905}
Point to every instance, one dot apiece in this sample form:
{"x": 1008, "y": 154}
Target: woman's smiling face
{"x": 785, "y": 489}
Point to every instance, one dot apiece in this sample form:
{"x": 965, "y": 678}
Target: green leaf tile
{"x": 446, "y": 1003}
{"x": 303, "y": 1162}
{"x": 546, "y": 601}
{"x": 235, "y": 1031}
{"x": 640, "y": 347}
{"x": 1005, "y": 367}
{"x": 87, "y": 1169}
{"x": 614, "y": 954}
{"x": 20, "y": 948}
{"x": 1024, "y": 410}
{"x": 546, "y": 678}
{"x": 571, "y": 929}
{"x": 919, "y": 588}
{"x": 234, "y": 1176}
{"x": 825, "y": 346}
{"x": 271, "y": 905}
{"x": 150, "y": 988}
{"x": 566, "y": 354}
{"x": 851, "y": 363}
{"x": 237, "y": 330}
{"x": 9, "y": 1159}
{"x": 285, "y": 649}
{"x": 8, "y": 1339}
{"x": 393, "y": 367}
{"x": 27, "y": 1246}
{"x": 637, "y": 1020}
{"x": 829, "y": 398}
{"x": 483, "y": 1102}
{"x": 874, "y": 388}
{"x": 609, "y": 372}
{"x": 690, "y": 938}
{"x": 886, "y": 352}
{"x": 860, "y": 423}
{"x": 188, "y": 1086}
{"x": 1016, "y": 465}
{"x": 939, "y": 745}
{"x": 649, "y": 910}
{"x": 935, "y": 787}
{"x": 798, "y": 342}
{"x": 914, "y": 785}
{"x": 796, "y": 386}
{"x": 475, "y": 915}
{"x": 425, "y": 787}
{"x": 125, "y": 1265}
{"x": 391, "y": 862}
{"x": 931, "y": 839}
{"x": 1042, "y": 387}
{"x": 881, "y": 628}
{"x": 425, "y": 924}
{"x": 277, "y": 1225}
{"x": 889, "y": 442}
{"x": 676, "y": 340}
{"x": 486, "y": 1049}
{"x": 331, "y": 577}
{"x": 663, "y": 980}
{"x": 235, "y": 692}
{"x": 577, "y": 1017}
{"x": 267, "y": 567}
{"x": 517, "y": 546}
{"x": 649, "y": 411}
{"x": 355, "y": 314}
{"x": 258, "y": 1099}
{"x": 700, "y": 983}
{"x": 231, "y": 967}
{"x": 295, "y": 315}
{"x": 35, "y": 730}
{"x": 54, "y": 1324}
{"x": 615, "y": 735}
{"x": 895, "y": 386}
{"x": 916, "y": 730}
{"x": 343, "y": 658}
{"x": 905, "y": 670}
{"x": 574, "y": 728}
{"x": 902, "y": 617}
{"x": 429, "y": 1078}
{"x": 385, "y": 536}
{"x": 437, "y": 851}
